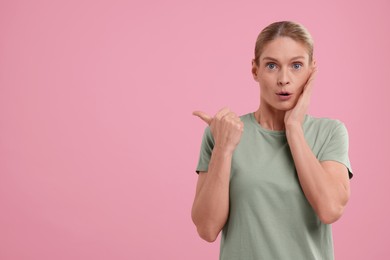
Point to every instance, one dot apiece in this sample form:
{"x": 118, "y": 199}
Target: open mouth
{"x": 283, "y": 93}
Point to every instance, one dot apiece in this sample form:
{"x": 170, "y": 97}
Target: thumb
{"x": 202, "y": 115}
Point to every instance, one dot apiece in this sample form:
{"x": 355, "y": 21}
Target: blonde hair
{"x": 290, "y": 29}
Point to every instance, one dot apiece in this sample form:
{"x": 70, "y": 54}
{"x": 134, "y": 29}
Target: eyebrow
{"x": 293, "y": 58}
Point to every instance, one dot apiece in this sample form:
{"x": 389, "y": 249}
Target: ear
{"x": 314, "y": 63}
{"x": 254, "y": 70}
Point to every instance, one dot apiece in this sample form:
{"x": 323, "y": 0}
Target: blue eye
{"x": 271, "y": 66}
{"x": 297, "y": 66}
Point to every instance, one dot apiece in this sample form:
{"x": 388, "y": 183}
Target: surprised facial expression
{"x": 282, "y": 72}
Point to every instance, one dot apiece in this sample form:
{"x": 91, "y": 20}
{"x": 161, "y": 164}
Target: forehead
{"x": 284, "y": 48}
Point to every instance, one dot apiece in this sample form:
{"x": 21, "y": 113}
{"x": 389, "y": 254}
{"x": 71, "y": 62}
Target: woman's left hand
{"x": 296, "y": 115}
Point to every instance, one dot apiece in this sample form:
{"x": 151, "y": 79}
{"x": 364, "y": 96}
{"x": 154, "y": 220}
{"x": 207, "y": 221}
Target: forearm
{"x": 211, "y": 205}
{"x": 326, "y": 196}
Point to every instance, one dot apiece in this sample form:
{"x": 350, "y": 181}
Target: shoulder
{"x": 322, "y": 124}
{"x": 323, "y": 128}
{"x": 247, "y": 118}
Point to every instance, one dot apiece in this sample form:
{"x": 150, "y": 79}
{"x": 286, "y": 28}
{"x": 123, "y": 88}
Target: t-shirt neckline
{"x": 268, "y": 131}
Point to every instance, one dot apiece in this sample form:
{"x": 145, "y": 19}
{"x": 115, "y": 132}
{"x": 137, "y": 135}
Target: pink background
{"x": 98, "y": 146}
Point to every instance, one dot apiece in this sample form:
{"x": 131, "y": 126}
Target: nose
{"x": 283, "y": 78}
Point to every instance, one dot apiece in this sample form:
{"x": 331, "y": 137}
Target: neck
{"x": 270, "y": 118}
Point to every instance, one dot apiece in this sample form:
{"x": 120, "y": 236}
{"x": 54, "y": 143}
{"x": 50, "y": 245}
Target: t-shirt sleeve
{"x": 205, "y": 151}
{"x": 336, "y": 149}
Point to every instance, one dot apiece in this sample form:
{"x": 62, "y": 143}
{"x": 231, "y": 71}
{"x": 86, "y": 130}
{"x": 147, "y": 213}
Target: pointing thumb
{"x": 202, "y": 115}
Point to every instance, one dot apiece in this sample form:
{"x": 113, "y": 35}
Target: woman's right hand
{"x": 226, "y": 128}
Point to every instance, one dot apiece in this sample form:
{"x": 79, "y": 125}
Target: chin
{"x": 284, "y": 107}
{"x": 281, "y": 106}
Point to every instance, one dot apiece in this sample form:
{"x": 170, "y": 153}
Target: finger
{"x": 312, "y": 75}
{"x": 202, "y": 115}
{"x": 309, "y": 84}
{"x": 221, "y": 113}
{"x": 314, "y": 72}
{"x": 241, "y": 124}
{"x": 237, "y": 119}
{"x": 230, "y": 115}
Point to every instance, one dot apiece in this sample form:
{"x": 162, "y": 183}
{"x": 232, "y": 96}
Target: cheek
{"x": 266, "y": 81}
{"x": 301, "y": 81}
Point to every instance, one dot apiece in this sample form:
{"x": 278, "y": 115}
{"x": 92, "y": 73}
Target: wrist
{"x": 224, "y": 151}
{"x": 293, "y": 128}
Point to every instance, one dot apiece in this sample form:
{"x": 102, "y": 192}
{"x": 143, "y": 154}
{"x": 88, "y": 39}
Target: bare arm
{"x": 211, "y": 204}
{"x": 325, "y": 184}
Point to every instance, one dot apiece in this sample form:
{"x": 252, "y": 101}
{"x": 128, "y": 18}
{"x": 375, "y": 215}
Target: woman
{"x": 274, "y": 180}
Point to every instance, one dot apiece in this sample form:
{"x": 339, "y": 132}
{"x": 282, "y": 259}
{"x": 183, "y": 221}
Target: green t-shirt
{"x": 269, "y": 215}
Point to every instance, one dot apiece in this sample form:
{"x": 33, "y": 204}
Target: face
{"x": 282, "y": 72}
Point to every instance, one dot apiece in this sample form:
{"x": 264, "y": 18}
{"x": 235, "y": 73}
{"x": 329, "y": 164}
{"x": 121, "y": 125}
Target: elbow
{"x": 207, "y": 228}
{"x": 330, "y": 217}
{"x": 206, "y": 231}
{"x": 331, "y": 214}
{"x": 207, "y": 234}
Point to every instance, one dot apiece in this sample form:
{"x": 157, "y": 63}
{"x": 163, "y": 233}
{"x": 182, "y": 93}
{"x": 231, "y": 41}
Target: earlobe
{"x": 254, "y": 73}
{"x": 254, "y": 70}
